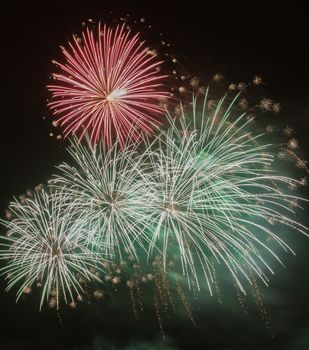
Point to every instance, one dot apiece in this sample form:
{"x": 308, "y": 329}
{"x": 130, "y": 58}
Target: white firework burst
{"x": 109, "y": 191}
{"x": 46, "y": 245}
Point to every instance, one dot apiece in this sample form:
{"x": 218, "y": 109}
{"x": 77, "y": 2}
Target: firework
{"x": 109, "y": 191}
{"x": 109, "y": 86}
{"x": 204, "y": 191}
{"x": 46, "y": 248}
{"x": 216, "y": 196}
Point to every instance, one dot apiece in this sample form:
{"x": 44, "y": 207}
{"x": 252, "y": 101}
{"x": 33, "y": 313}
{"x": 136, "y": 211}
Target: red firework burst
{"x": 109, "y": 86}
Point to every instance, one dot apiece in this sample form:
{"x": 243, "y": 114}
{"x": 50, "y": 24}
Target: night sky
{"x": 240, "y": 40}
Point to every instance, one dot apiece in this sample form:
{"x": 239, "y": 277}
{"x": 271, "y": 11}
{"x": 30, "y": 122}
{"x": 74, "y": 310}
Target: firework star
{"x": 109, "y": 86}
{"x": 46, "y": 246}
{"x": 216, "y": 196}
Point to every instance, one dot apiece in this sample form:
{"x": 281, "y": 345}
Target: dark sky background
{"x": 240, "y": 40}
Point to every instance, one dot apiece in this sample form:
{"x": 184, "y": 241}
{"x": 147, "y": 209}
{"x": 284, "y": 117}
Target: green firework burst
{"x": 216, "y": 197}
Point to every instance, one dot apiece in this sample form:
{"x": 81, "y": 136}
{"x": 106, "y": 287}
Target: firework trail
{"x": 109, "y": 86}
{"x": 215, "y": 195}
{"x": 46, "y": 247}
